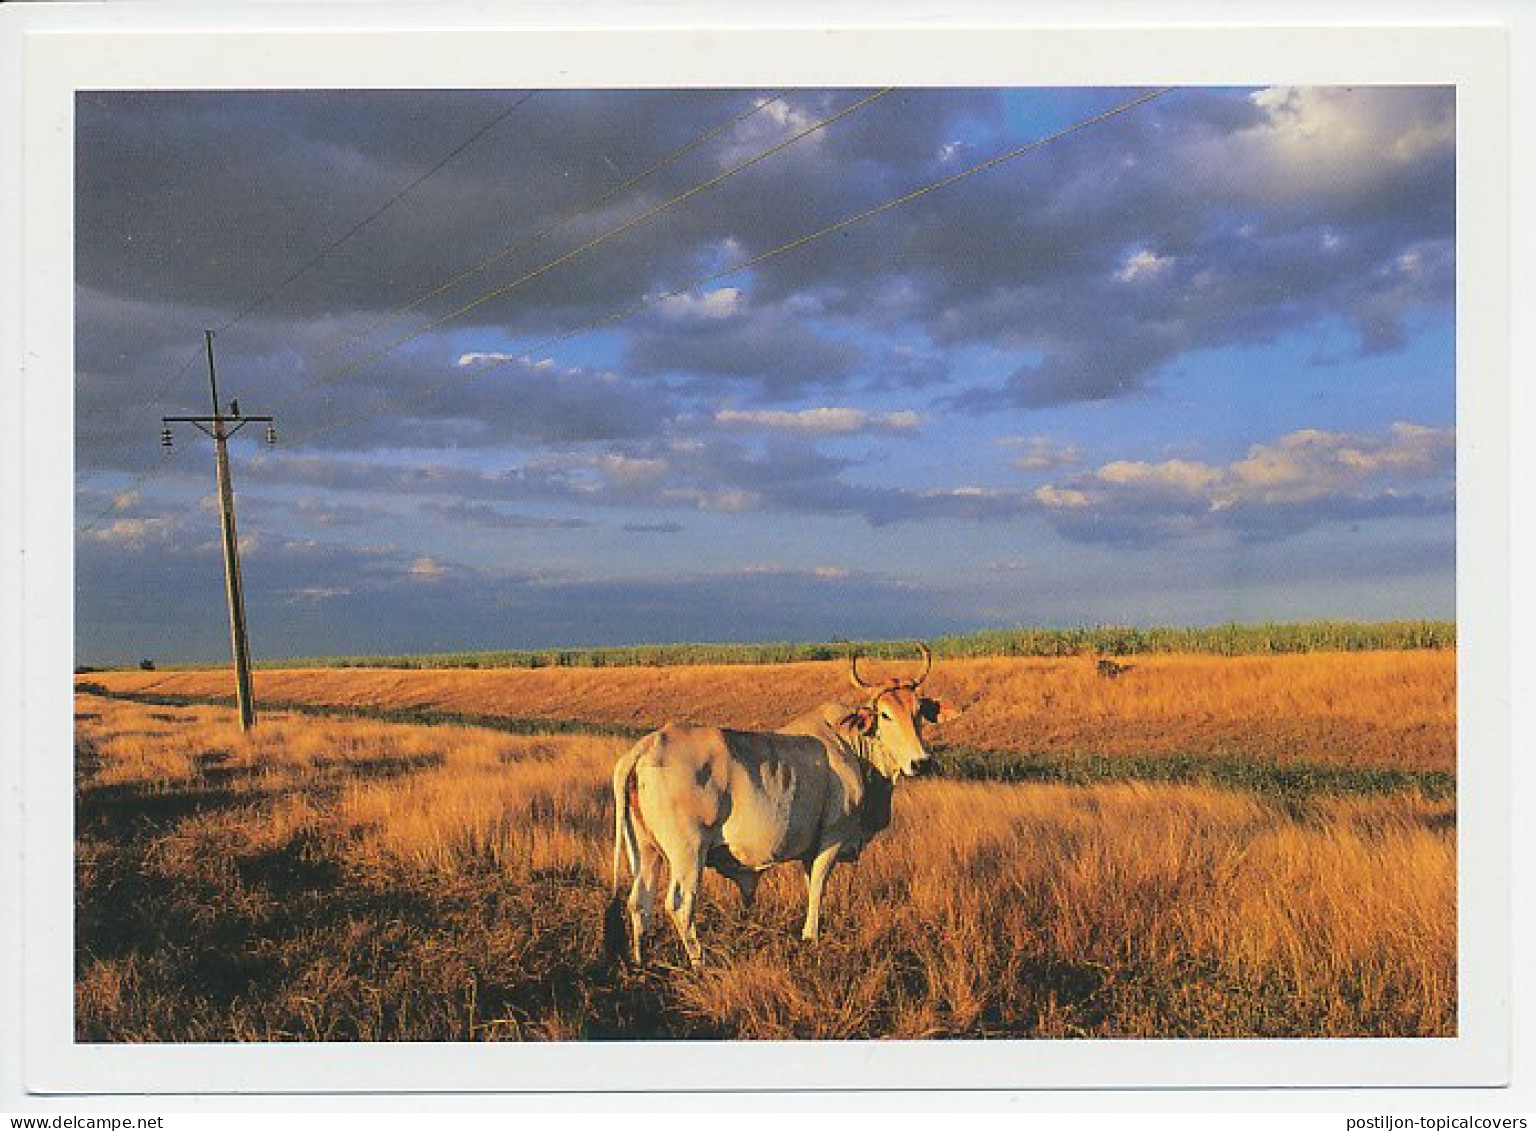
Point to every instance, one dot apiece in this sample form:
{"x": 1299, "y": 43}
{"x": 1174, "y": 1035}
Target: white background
{"x": 369, "y": 47}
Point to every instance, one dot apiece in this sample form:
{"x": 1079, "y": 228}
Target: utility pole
{"x": 221, "y": 426}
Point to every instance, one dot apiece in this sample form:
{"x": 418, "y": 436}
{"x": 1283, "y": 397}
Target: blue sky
{"x": 1193, "y": 363}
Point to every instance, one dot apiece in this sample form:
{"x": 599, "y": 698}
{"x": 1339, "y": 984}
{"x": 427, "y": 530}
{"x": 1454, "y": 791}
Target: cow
{"x": 816, "y": 791}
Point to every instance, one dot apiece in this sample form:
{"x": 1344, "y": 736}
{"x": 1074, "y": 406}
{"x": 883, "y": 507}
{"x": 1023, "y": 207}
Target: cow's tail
{"x": 626, "y": 849}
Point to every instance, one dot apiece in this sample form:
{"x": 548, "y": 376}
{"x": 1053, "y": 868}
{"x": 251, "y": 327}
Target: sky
{"x": 542, "y": 376}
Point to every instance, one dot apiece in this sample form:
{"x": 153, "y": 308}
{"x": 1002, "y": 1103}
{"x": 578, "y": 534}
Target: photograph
{"x": 765, "y": 563}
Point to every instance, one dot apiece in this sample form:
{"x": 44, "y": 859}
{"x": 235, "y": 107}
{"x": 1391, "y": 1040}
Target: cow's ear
{"x": 936, "y": 711}
{"x": 862, "y": 720}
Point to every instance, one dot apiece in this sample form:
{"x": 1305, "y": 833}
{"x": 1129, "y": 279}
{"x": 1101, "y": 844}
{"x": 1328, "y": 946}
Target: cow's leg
{"x": 746, "y": 881}
{"x": 642, "y": 896}
{"x": 682, "y": 894}
{"x": 816, "y": 872}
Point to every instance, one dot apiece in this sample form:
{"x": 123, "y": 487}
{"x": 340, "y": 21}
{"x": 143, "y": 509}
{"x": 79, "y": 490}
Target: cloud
{"x": 1041, "y": 453}
{"x": 488, "y": 517}
{"x": 1205, "y": 219}
{"x": 1304, "y": 478}
{"x": 1143, "y": 267}
{"x": 1299, "y": 480}
{"x": 820, "y": 421}
{"x": 653, "y": 528}
{"x": 1311, "y": 463}
{"x": 315, "y": 591}
{"x": 426, "y": 568}
{"x": 773, "y": 350}
{"x": 720, "y": 303}
{"x": 1089, "y": 271}
{"x": 135, "y": 534}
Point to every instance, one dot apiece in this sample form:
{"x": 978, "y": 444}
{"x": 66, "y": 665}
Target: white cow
{"x": 815, "y": 791}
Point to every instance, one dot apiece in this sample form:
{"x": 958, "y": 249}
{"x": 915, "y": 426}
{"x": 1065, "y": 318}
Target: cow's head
{"x": 892, "y": 719}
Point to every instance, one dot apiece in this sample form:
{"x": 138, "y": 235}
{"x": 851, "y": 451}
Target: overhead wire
{"x": 560, "y": 222}
{"x": 314, "y": 260}
{"x": 597, "y": 241}
{"x": 256, "y": 303}
{"x": 565, "y": 218}
{"x": 735, "y": 268}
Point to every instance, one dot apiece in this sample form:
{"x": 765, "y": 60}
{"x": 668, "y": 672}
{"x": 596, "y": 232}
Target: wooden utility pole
{"x": 221, "y": 426}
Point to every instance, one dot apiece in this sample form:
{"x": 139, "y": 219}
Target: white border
{"x": 213, "y": 47}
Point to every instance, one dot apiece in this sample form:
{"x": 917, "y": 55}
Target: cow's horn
{"x": 927, "y": 664}
{"x": 853, "y": 672}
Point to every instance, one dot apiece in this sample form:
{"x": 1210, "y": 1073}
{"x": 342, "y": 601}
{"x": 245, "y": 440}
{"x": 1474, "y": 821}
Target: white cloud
{"x": 426, "y": 568}
{"x": 1038, "y": 453}
{"x": 133, "y": 533}
{"x": 1332, "y": 139}
{"x": 1059, "y": 498}
{"x": 726, "y": 501}
{"x": 1305, "y": 466}
{"x": 1311, "y": 463}
{"x": 828, "y": 421}
{"x": 630, "y": 471}
{"x": 1144, "y": 266}
{"x": 314, "y": 593}
{"x": 466, "y": 359}
{"x": 1189, "y": 476}
{"x": 721, "y": 303}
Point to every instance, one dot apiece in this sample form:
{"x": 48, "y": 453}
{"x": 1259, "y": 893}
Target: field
{"x": 1205, "y": 846}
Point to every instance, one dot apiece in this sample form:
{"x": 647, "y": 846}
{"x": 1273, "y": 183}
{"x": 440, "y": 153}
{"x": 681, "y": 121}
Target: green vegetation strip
{"x": 1288, "y": 781}
{"x": 1219, "y": 640}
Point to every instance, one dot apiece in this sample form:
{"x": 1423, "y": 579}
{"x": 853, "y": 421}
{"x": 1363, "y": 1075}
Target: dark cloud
{"x": 147, "y": 601}
{"x": 1083, "y": 272}
{"x": 778, "y": 352}
{"x": 1279, "y": 489}
{"x": 482, "y": 515}
{"x": 430, "y": 394}
{"x": 193, "y": 195}
{"x": 1251, "y": 215}
{"x": 653, "y": 527}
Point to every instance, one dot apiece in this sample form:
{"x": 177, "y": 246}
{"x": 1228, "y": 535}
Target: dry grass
{"x": 356, "y": 880}
{"x": 1364, "y": 710}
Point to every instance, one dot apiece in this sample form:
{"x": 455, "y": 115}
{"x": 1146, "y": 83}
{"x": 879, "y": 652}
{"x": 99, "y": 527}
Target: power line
{"x": 256, "y": 303}
{"x": 566, "y": 217}
{"x": 675, "y": 155}
{"x": 742, "y": 265}
{"x": 252, "y": 306}
{"x": 612, "y": 233}
{"x": 523, "y": 244}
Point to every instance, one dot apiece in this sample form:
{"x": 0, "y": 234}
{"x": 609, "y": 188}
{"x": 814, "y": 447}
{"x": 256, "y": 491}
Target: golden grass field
{"x": 1389, "y": 709}
{"x": 358, "y": 879}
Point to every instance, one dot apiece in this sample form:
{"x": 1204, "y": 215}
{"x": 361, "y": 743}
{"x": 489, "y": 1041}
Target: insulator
{"x": 271, "y": 435}
{"x": 165, "y": 437}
